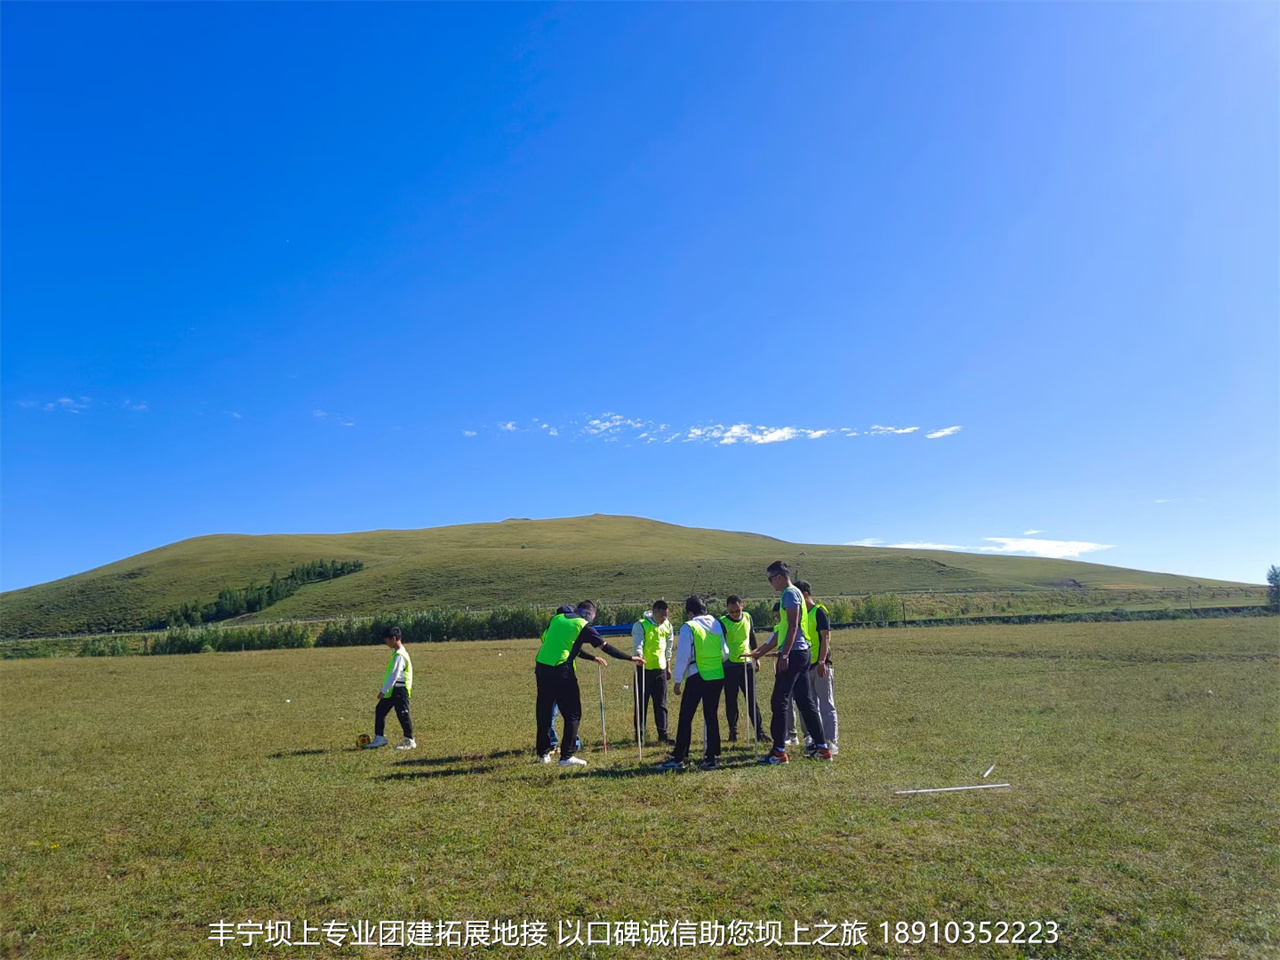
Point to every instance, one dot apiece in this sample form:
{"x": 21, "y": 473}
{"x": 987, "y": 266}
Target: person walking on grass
{"x": 739, "y": 636}
{"x": 652, "y": 640}
{"x": 700, "y": 656}
{"x": 791, "y": 674}
{"x": 558, "y": 683}
{"x": 817, "y": 631}
{"x": 397, "y": 688}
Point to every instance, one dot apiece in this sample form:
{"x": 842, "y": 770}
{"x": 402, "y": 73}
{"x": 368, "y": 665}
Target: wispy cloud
{"x": 136, "y": 407}
{"x": 61, "y": 405}
{"x": 1168, "y": 500}
{"x": 468, "y": 433}
{"x": 319, "y": 414}
{"x": 868, "y": 542}
{"x": 1031, "y": 533}
{"x": 944, "y": 432}
{"x": 1057, "y": 549}
{"x": 615, "y": 427}
{"x": 1052, "y": 549}
{"x": 234, "y": 415}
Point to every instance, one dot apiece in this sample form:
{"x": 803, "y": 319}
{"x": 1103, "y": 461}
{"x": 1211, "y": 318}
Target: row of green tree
{"x": 233, "y": 602}
{"x": 510, "y": 623}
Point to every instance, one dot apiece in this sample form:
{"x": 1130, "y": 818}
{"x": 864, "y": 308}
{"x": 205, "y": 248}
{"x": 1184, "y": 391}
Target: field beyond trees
{"x": 149, "y": 797}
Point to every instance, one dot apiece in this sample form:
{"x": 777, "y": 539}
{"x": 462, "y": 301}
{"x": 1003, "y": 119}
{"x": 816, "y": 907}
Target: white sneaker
{"x": 833, "y": 748}
{"x": 793, "y": 741}
{"x": 408, "y": 743}
{"x": 545, "y": 758}
{"x": 573, "y": 762}
{"x": 378, "y": 741}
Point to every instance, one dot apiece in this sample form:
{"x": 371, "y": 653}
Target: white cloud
{"x": 945, "y": 432}
{"x": 1055, "y": 549}
{"x": 615, "y": 426}
{"x": 135, "y": 407}
{"x": 63, "y": 404}
{"x": 232, "y": 413}
{"x": 1170, "y": 500}
{"x": 468, "y": 433}
{"x": 1031, "y": 533}
{"x": 925, "y": 546}
{"x": 319, "y": 413}
{"x": 868, "y": 542}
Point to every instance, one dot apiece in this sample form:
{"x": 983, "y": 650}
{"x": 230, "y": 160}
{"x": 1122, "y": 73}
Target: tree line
{"x": 233, "y": 602}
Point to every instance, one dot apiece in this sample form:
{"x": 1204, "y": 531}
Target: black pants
{"x": 400, "y": 700}
{"x": 655, "y": 691}
{"x": 558, "y": 685}
{"x": 735, "y": 680}
{"x": 705, "y": 692}
{"x": 794, "y": 681}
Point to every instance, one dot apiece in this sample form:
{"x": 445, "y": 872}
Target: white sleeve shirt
{"x": 686, "y": 662}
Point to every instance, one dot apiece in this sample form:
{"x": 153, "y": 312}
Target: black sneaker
{"x": 811, "y": 750}
{"x": 733, "y": 736}
{"x": 709, "y": 763}
{"x": 672, "y": 763}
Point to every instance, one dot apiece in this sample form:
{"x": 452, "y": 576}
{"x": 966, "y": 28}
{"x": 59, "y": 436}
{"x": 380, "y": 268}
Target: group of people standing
{"x": 708, "y": 658}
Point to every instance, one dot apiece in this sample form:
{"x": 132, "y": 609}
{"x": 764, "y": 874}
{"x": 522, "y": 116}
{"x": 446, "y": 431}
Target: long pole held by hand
{"x": 640, "y": 724}
{"x": 600, "y": 676}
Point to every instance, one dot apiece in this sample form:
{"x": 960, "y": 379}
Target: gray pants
{"x": 825, "y": 697}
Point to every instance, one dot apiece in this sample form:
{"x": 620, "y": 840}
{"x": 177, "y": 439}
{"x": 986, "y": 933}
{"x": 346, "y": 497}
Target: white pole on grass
{"x": 980, "y": 786}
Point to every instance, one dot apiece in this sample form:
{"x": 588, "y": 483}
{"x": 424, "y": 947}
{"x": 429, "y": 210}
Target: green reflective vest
{"x": 407, "y": 677}
{"x": 781, "y": 629}
{"x": 558, "y": 640}
{"x": 737, "y": 634}
{"x": 707, "y": 652}
{"x": 811, "y": 631}
{"x": 656, "y": 636}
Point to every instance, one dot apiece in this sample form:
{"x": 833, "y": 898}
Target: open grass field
{"x": 146, "y": 798}
{"x": 611, "y": 559}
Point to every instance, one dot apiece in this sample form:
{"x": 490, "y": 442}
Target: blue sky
{"x": 990, "y": 276}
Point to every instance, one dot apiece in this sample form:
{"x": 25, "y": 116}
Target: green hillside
{"x": 608, "y": 558}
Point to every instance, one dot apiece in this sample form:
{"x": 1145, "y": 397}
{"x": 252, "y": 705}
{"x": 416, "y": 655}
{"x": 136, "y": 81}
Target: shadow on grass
{"x": 434, "y": 774}
{"x": 284, "y": 754}
{"x": 462, "y": 758}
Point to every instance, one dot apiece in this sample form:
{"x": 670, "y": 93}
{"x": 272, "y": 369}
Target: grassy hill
{"x": 520, "y": 561}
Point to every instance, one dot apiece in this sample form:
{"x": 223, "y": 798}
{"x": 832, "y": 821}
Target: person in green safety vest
{"x": 739, "y": 635}
{"x": 397, "y": 688}
{"x": 791, "y": 674}
{"x": 652, "y": 639}
{"x": 817, "y": 630}
{"x": 558, "y": 683}
{"x": 700, "y": 656}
